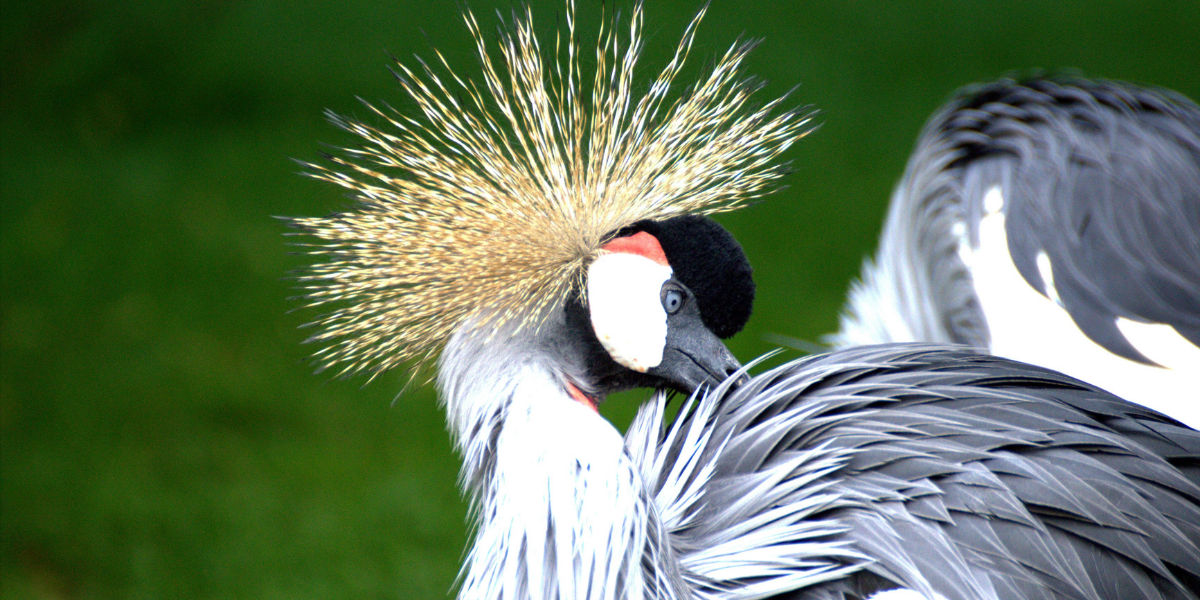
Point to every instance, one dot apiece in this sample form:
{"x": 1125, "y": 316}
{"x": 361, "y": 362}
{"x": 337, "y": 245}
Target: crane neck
{"x": 917, "y": 288}
{"x": 560, "y": 507}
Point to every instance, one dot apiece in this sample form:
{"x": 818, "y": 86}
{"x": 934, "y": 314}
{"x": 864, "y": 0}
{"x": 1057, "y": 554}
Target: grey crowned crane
{"x": 1053, "y": 221}
{"x": 544, "y": 242}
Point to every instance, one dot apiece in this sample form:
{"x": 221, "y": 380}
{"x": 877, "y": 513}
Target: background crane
{"x": 1055, "y": 222}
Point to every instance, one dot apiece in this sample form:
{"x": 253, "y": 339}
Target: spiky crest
{"x": 488, "y": 205}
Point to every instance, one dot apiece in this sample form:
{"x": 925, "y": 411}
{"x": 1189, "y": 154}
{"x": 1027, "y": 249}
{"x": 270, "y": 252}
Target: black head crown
{"x": 711, "y": 263}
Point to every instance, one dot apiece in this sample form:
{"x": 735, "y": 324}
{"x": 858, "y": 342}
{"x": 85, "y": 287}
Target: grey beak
{"x": 694, "y": 356}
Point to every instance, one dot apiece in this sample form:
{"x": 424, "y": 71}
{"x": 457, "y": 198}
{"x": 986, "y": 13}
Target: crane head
{"x": 659, "y": 299}
{"x": 483, "y": 210}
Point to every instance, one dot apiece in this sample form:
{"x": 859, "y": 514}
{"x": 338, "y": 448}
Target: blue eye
{"x": 672, "y": 300}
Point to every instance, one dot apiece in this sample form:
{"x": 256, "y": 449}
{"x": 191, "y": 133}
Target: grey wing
{"x": 937, "y": 470}
{"x": 1101, "y": 177}
{"x": 1104, "y": 179}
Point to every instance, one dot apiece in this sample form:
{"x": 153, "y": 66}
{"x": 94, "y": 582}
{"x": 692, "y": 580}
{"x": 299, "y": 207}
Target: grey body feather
{"x": 1102, "y": 177}
{"x": 934, "y": 469}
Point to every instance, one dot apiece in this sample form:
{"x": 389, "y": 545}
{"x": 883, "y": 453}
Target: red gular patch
{"x": 583, "y": 398}
{"x": 641, "y": 244}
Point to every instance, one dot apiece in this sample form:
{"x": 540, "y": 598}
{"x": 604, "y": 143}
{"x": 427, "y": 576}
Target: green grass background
{"x": 160, "y": 436}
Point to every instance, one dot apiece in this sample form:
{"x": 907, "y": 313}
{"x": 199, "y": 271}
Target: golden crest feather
{"x": 488, "y": 204}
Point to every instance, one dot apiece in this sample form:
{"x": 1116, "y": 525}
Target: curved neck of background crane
{"x": 560, "y": 505}
{"x": 917, "y": 289}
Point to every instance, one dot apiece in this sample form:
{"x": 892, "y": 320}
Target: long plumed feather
{"x": 487, "y": 203}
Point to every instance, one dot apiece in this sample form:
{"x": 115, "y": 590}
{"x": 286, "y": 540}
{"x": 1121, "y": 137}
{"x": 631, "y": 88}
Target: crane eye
{"x": 672, "y": 300}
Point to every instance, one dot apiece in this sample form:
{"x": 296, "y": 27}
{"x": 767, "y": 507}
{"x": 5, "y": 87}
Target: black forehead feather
{"x": 707, "y": 259}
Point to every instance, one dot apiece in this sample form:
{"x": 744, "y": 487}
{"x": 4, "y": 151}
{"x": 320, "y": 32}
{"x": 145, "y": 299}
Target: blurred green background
{"x": 161, "y": 437}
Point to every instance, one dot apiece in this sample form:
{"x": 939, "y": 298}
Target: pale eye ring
{"x": 672, "y": 299}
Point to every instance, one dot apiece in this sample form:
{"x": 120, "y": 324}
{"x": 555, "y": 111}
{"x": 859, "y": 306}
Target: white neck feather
{"x": 560, "y": 506}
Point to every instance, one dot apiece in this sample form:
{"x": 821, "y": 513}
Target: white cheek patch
{"x": 627, "y": 313}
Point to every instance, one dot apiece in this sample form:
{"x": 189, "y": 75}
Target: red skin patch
{"x": 583, "y": 398}
{"x": 641, "y": 244}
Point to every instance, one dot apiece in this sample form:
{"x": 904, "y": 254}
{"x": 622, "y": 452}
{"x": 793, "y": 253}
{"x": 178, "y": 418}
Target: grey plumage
{"x": 945, "y": 471}
{"x": 1098, "y": 186}
{"x": 1105, "y": 179}
{"x": 1102, "y": 176}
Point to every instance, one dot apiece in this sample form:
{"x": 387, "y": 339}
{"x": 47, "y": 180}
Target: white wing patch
{"x": 1047, "y": 273}
{"x": 1027, "y": 326}
{"x": 627, "y": 313}
{"x": 993, "y": 200}
{"x": 1162, "y": 344}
